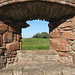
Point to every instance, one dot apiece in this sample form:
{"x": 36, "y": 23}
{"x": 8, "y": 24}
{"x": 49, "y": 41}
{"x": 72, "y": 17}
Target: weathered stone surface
{"x": 68, "y": 35}
{"x": 73, "y": 46}
{"x": 14, "y": 53}
{"x": 13, "y": 46}
{"x": 50, "y": 11}
{"x": 8, "y": 37}
{"x": 58, "y": 44}
{"x": 67, "y": 29}
{"x": 40, "y": 52}
{"x": 2, "y": 62}
{"x": 62, "y": 54}
{"x": 0, "y": 39}
{"x": 64, "y": 25}
{"x": 55, "y": 34}
{"x": 3, "y": 27}
{"x": 74, "y": 59}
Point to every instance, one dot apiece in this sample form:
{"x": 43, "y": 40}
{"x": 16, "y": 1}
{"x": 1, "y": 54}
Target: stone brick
{"x": 67, "y": 29}
{"x": 58, "y": 44}
{"x": 14, "y": 53}
{"x": 55, "y": 34}
{"x": 68, "y": 42}
{"x": 41, "y": 52}
{"x": 62, "y": 54}
{"x": 8, "y": 37}
{"x": 65, "y": 24}
{"x": 13, "y": 46}
{"x": 3, "y": 27}
{"x": 13, "y": 56}
{"x": 68, "y": 35}
{"x": 46, "y": 52}
{"x": 73, "y": 46}
{"x": 74, "y": 59}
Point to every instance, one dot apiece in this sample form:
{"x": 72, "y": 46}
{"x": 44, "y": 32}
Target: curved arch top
{"x": 66, "y": 2}
{"x": 23, "y": 10}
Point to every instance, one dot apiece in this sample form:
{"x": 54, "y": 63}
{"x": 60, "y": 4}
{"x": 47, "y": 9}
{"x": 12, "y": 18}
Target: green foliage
{"x": 35, "y": 44}
{"x": 38, "y": 35}
{"x": 41, "y": 35}
{"x": 44, "y": 35}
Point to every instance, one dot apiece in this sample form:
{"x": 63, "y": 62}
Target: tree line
{"x": 41, "y": 35}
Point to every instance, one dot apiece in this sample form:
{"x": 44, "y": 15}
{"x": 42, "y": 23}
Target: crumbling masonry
{"x": 60, "y": 14}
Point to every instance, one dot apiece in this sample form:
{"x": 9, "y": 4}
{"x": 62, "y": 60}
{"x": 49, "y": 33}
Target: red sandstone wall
{"x": 62, "y": 39}
{"x": 9, "y": 43}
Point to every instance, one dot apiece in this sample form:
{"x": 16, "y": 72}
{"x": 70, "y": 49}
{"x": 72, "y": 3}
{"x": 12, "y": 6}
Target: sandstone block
{"x": 65, "y": 24}
{"x": 14, "y": 53}
{"x": 3, "y": 27}
{"x": 55, "y": 34}
{"x": 13, "y": 46}
{"x": 68, "y": 35}
{"x": 67, "y": 29}
{"x": 8, "y": 37}
{"x": 13, "y": 56}
{"x": 68, "y": 42}
{"x": 58, "y": 44}
{"x": 73, "y": 21}
{"x": 62, "y": 54}
{"x": 73, "y": 46}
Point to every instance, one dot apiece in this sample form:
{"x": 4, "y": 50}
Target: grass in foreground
{"x": 35, "y": 44}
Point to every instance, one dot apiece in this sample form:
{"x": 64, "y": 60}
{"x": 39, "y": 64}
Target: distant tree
{"x": 37, "y": 35}
{"x": 42, "y": 35}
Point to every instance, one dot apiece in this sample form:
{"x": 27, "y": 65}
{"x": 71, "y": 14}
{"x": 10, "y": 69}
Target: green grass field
{"x": 35, "y": 44}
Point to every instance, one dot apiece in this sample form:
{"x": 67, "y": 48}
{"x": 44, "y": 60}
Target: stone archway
{"x": 60, "y": 14}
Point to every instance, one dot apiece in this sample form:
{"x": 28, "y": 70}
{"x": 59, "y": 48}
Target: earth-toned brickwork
{"x": 61, "y": 17}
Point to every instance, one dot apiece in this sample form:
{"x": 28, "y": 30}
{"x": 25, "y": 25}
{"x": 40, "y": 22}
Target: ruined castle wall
{"x": 10, "y": 38}
{"x": 62, "y": 39}
{"x": 62, "y": 42}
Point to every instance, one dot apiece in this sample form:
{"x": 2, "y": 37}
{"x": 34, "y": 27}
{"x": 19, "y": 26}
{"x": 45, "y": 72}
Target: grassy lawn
{"x": 35, "y": 44}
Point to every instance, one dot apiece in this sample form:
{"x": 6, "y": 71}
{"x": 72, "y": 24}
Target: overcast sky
{"x": 35, "y": 27}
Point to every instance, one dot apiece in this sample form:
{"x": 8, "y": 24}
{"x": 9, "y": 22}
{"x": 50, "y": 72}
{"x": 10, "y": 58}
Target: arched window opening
{"x": 36, "y": 36}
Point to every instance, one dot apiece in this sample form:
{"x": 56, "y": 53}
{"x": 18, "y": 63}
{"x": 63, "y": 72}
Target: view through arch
{"x": 61, "y": 17}
{"x": 36, "y": 36}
